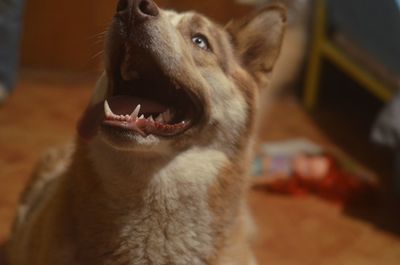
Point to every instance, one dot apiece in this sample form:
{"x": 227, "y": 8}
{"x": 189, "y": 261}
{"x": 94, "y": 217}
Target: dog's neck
{"x": 150, "y": 210}
{"x": 129, "y": 174}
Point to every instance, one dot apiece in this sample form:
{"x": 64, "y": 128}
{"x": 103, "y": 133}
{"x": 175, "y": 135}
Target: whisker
{"x": 99, "y": 35}
{"x": 100, "y": 53}
{"x": 97, "y": 42}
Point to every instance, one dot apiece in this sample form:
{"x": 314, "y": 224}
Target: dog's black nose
{"x": 138, "y": 9}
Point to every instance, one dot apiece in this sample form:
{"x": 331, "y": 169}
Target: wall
{"x": 64, "y": 35}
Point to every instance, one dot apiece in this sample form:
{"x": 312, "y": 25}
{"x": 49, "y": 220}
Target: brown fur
{"x": 160, "y": 201}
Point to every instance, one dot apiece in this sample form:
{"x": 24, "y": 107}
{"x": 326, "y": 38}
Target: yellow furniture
{"x": 325, "y": 48}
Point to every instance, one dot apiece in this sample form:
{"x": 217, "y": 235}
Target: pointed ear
{"x": 257, "y": 40}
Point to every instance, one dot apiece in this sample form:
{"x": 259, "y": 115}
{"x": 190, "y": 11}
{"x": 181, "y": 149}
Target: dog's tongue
{"x": 120, "y": 105}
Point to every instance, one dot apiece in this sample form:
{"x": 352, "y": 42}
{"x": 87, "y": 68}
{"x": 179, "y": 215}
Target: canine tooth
{"x": 107, "y": 110}
{"x": 160, "y": 118}
{"x": 167, "y": 115}
{"x": 135, "y": 113}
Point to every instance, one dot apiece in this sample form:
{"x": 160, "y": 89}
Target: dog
{"x": 159, "y": 171}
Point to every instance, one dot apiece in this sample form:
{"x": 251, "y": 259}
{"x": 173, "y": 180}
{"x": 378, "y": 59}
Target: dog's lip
{"x": 135, "y": 115}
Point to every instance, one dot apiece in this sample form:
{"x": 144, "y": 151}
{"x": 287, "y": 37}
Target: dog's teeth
{"x": 141, "y": 117}
{"x": 167, "y": 116}
{"x": 151, "y": 118}
{"x": 107, "y": 110}
{"x": 135, "y": 113}
{"x": 160, "y": 118}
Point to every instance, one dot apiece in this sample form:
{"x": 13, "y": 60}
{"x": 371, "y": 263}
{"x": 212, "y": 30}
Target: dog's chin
{"x": 126, "y": 140}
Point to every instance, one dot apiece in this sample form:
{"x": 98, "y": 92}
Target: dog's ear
{"x": 258, "y": 38}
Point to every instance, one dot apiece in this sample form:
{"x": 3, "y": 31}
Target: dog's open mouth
{"x": 150, "y": 104}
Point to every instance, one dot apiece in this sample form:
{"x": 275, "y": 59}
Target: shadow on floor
{"x": 346, "y": 113}
{"x": 2, "y": 254}
{"x": 383, "y": 213}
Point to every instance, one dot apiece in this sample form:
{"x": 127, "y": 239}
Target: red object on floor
{"x": 336, "y": 185}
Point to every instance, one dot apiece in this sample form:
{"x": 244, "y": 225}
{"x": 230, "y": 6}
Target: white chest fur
{"x": 170, "y": 222}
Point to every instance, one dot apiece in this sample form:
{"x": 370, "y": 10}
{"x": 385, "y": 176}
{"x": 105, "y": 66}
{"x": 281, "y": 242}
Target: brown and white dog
{"x": 158, "y": 174}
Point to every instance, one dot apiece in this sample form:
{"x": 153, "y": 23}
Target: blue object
{"x": 11, "y": 12}
{"x": 257, "y": 166}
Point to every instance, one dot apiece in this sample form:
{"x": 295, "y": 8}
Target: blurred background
{"x": 327, "y": 166}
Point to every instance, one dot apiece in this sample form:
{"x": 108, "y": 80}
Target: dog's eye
{"x": 201, "y": 42}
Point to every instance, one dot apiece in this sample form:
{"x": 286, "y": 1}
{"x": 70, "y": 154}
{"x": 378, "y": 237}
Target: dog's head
{"x": 177, "y": 80}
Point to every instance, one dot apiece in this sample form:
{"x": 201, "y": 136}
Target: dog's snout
{"x": 139, "y": 9}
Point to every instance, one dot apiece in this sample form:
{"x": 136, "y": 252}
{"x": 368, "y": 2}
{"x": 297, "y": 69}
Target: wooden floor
{"x": 301, "y": 231}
